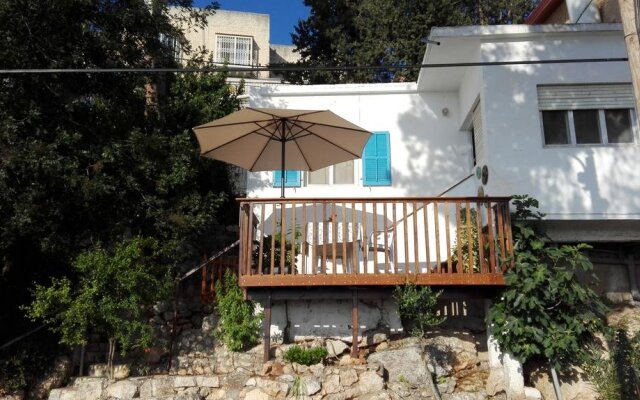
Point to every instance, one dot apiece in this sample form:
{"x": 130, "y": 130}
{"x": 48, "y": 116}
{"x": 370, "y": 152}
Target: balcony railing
{"x": 374, "y": 241}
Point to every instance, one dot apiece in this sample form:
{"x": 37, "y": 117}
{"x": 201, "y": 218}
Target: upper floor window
{"x": 235, "y": 50}
{"x": 339, "y": 174}
{"x": 587, "y": 114}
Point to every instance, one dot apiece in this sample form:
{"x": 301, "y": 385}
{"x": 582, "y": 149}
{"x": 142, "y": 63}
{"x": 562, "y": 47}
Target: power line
{"x": 296, "y": 68}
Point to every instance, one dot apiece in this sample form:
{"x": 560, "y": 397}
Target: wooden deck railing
{"x": 374, "y": 241}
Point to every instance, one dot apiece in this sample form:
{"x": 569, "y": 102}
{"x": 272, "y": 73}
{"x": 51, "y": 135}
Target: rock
{"x": 68, "y": 393}
{"x": 250, "y": 382}
{"x": 89, "y": 388}
{"x": 463, "y": 396}
{"x": 379, "y": 338}
{"x": 277, "y": 369}
{"x": 335, "y": 347}
{"x": 157, "y": 386}
{"x": 382, "y": 346}
{"x": 370, "y": 381}
{"x": 331, "y": 384}
{"x": 374, "y": 396}
{"x": 184, "y": 381}
{"x": 348, "y": 377}
{"x": 54, "y": 379}
{"x": 188, "y": 396}
{"x": 208, "y": 381}
{"x": 310, "y": 386}
{"x": 13, "y": 396}
{"x": 120, "y": 371}
{"x": 125, "y": 389}
{"x": 447, "y": 385}
{"x": 455, "y": 351}
{"x": 273, "y": 388}
{"x": 256, "y": 394}
{"x": 495, "y": 382}
{"x": 403, "y": 364}
{"x": 577, "y": 390}
{"x": 532, "y": 393}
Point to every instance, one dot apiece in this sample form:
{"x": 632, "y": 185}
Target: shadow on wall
{"x": 568, "y": 179}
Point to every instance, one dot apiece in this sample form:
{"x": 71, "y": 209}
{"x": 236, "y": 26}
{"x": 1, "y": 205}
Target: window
{"x": 587, "y": 114}
{"x": 339, "y": 174}
{"x": 376, "y": 160}
{"x": 235, "y": 50}
{"x": 291, "y": 178}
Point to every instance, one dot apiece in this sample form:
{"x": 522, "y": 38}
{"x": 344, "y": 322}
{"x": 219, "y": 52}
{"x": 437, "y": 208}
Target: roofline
{"x": 340, "y": 88}
{"x": 542, "y": 11}
{"x": 488, "y": 31}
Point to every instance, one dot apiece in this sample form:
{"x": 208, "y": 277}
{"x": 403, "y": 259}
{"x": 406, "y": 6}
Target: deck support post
{"x": 354, "y": 324}
{"x": 266, "y": 328}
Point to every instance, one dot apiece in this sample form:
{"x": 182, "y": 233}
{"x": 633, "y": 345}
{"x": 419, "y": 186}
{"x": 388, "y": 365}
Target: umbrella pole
{"x": 282, "y": 177}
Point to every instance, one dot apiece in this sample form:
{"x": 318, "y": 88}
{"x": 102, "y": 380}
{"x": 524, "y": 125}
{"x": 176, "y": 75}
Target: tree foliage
{"x": 417, "y": 306}
{"x": 365, "y": 32}
{"x": 110, "y": 298}
{"x": 545, "y": 311}
{"x": 239, "y": 327}
{"x": 84, "y": 159}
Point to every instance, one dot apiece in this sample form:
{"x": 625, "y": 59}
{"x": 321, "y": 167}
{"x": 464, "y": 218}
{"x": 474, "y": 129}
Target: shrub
{"x": 545, "y": 311}
{"x": 417, "y": 307}
{"x": 239, "y": 327}
{"x": 302, "y": 356}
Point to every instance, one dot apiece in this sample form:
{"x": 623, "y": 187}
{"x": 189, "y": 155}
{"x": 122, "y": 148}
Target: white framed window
{"x": 339, "y": 174}
{"x": 236, "y": 50}
{"x": 584, "y": 115}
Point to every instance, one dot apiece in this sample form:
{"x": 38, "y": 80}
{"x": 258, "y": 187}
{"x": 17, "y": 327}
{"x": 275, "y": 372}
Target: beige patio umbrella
{"x": 266, "y": 139}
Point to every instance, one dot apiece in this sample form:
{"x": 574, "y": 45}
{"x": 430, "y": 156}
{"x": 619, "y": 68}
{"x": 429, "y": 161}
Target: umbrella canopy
{"x": 265, "y": 139}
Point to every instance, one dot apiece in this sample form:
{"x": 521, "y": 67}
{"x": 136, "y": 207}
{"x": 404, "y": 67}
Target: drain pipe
{"x": 633, "y": 281}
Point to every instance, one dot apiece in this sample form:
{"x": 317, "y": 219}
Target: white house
{"x": 563, "y": 130}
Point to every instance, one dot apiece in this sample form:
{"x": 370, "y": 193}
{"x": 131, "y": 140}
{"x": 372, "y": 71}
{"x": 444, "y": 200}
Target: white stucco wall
{"x": 428, "y": 152}
{"x": 585, "y": 182}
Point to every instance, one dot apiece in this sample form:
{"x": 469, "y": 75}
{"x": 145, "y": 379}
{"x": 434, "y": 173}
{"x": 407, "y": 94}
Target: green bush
{"x": 544, "y": 310}
{"x": 302, "y": 356}
{"x": 239, "y": 327}
{"x": 417, "y": 308}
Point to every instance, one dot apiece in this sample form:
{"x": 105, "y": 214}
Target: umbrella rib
{"x": 231, "y": 124}
{"x": 277, "y": 117}
{"x": 259, "y": 155}
{"x": 227, "y": 143}
{"x": 338, "y": 146}
{"x": 303, "y": 156}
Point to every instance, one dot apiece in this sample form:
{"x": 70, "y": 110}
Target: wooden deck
{"x": 374, "y": 241}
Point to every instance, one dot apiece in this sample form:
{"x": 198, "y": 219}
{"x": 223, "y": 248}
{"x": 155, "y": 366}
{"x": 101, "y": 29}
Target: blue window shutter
{"x": 291, "y": 178}
{"x": 376, "y": 160}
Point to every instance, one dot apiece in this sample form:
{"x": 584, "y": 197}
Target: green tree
{"x": 110, "y": 298}
{"x": 83, "y": 158}
{"x": 545, "y": 312}
{"x": 341, "y": 33}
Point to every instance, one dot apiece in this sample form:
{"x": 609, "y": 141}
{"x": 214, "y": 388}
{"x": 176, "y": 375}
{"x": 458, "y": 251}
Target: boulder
{"x": 532, "y": 393}
{"x": 370, "y": 381}
{"x": 577, "y": 389}
{"x": 335, "y": 347}
{"x": 54, "y": 379}
{"x": 403, "y": 364}
{"x": 273, "y": 388}
{"x": 453, "y": 351}
{"x": 331, "y": 384}
{"x": 208, "y": 381}
{"x": 495, "y": 382}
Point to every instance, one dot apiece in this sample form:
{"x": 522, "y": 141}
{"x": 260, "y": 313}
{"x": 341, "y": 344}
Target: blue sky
{"x": 284, "y": 14}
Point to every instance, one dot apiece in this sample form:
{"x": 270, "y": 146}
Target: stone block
{"x": 257, "y": 394}
{"x": 125, "y": 389}
{"x": 157, "y": 386}
{"x": 211, "y": 381}
{"x": 310, "y": 386}
{"x": 348, "y": 377}
{"x": 89, "y": 388}
{"x": 184, "y": 381}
